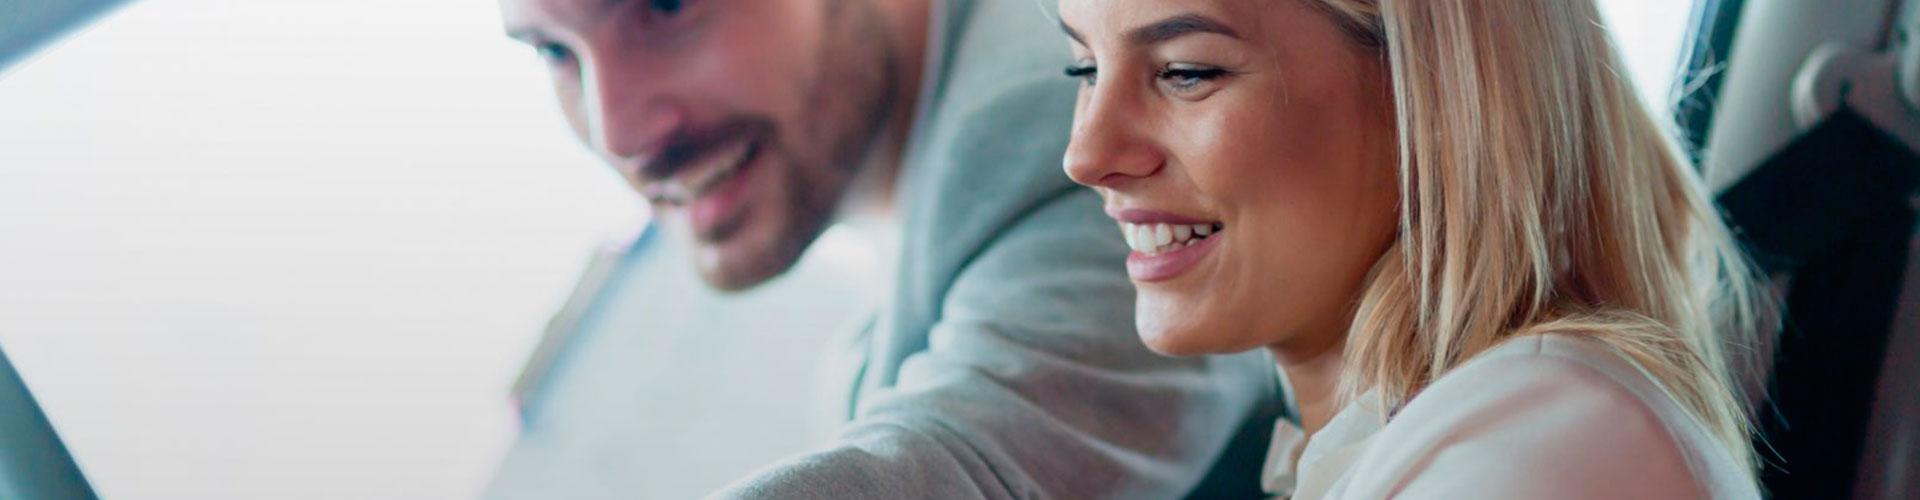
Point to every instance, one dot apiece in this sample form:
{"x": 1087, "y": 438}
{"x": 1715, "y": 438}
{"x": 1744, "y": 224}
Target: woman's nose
{"x": 1107, "y": 148}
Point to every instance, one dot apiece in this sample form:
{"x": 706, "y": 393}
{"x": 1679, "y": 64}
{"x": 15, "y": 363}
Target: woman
{"x": 1483, "y": 269}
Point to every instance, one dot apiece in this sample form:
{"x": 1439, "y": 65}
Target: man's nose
{"x": 630, "y": 112}
{"x": 1107, "y": 147}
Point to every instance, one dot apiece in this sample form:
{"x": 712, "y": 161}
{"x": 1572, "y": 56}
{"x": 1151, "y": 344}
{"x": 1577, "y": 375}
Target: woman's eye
{"x": 1183, "y": 78}
{"x": 553, "y": 53}
{"x": 1084, "y": 72}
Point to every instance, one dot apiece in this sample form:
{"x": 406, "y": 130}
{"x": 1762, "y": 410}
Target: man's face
{"x": 745, "y": 120}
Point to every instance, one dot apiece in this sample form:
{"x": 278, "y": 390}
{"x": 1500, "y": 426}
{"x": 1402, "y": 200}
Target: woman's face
{"x": 1246, "y": 148}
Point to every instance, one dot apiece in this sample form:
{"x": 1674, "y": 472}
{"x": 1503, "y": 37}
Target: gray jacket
{"x": 1006, "y": 364}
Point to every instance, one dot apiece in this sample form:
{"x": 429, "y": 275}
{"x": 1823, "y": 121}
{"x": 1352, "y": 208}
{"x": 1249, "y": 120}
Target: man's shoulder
{"x": 984, "y": 158}
{"x": 996, "y": 83}
{"x": 986, "y": 149}
{"x": 1002, "y": 32}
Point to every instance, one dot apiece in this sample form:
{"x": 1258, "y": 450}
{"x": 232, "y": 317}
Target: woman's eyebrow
{"x": 1176, "y": 27}
{"x": 1165, "y": 29}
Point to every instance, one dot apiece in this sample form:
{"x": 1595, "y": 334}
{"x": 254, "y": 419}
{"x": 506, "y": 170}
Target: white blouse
{"x": 1549, "y": 416}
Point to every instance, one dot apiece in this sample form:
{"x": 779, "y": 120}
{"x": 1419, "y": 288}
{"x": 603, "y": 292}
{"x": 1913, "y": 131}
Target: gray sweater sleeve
{"x": 1034, "y": 385}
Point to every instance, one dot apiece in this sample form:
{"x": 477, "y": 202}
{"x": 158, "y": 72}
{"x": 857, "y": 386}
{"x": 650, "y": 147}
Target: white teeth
{"x": 1157, "y": 238}
{"x": 719, "y": 166}
{"x": 1139, "y": 238}
{"x": 715, "y": 168}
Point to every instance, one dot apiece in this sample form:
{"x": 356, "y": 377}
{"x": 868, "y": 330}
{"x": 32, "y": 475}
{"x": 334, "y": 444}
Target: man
{"x": 1003, "y": 363}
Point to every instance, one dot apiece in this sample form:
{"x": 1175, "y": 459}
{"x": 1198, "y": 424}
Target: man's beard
{"x": 851, "y": 98}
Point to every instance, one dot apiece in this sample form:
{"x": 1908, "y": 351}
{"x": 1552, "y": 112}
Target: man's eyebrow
{"x": 1176, "y": 27}
{"x": 599, "y": 9}
{"x": 524, "y": 34}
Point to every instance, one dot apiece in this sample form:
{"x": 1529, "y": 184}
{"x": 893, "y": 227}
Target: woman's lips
{"x": 1166, "y": 265}
{"x": 1162, "y": 251}
{"x": 1164, "y": 245}
{"x": 1145, "y": 216}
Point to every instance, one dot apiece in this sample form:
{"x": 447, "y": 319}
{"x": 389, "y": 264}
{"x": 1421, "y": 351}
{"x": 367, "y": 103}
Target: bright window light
{"x": 1650, "y": 34}
{"x": 290, "y": 250}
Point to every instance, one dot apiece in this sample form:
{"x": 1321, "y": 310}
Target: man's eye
{"x": 554, "y": 53}
{"x": 667, "y": 8}
{"x": 1084, "y": 72}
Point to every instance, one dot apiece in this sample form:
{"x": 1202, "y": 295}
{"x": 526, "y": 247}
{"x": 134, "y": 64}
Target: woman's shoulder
{"x": 1548, "y": 415}
{"x": 1585, "y": 369}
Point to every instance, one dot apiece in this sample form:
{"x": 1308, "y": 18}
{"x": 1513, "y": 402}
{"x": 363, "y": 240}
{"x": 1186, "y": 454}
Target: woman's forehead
{"x": 1115, "y": 20}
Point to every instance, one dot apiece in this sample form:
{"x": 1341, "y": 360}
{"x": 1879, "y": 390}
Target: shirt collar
{"x": 1302, "y": 466}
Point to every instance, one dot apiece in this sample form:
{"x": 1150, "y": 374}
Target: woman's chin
{"x": 1165, "y": 347}
{"x": 1183, "y": 338}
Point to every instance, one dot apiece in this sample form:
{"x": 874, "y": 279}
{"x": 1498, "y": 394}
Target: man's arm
{"x": 1034, "y": 385}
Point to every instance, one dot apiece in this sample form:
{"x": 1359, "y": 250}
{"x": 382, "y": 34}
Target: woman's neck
{"x": 1313, "y": 374}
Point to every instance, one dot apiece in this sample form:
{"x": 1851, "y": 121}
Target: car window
{"x": 288, "y": 249}
{"x": 1650, "y": 35}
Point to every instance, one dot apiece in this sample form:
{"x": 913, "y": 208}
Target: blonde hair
{"x": 1540, "y": 195}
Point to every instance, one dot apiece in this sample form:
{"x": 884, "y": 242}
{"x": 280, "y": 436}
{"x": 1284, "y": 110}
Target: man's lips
{"x": 717, "y": 209}
{"x": 696, "y": 179}
{"x": 692, "y": 161}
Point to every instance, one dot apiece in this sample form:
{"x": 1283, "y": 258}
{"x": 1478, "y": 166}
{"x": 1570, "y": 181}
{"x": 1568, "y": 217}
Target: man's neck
{"x": 870, "y": 209}
{"x": 873, "y": 196}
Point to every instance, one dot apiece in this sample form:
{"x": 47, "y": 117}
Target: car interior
{"x": 1803, "y": 114}
{"x": 1808, "y": 118}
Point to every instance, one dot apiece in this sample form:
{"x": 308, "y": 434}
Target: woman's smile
{"x": 1165, "y": 245}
